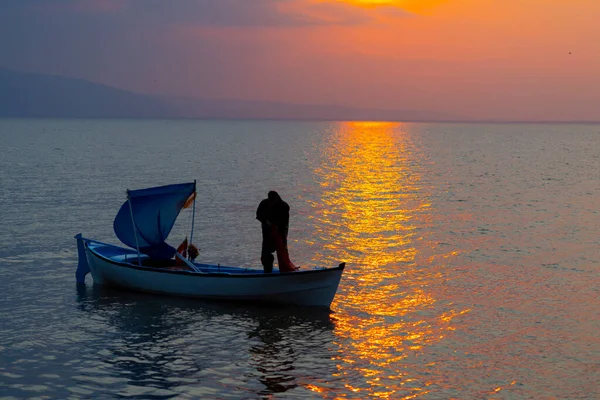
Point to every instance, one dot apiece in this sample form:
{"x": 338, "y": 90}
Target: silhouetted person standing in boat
{"x": 272, "y": 211}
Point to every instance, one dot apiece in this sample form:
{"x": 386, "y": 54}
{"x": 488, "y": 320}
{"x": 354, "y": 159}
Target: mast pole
{"x": 137, "y": 244}
{"x": 193, "y": 214}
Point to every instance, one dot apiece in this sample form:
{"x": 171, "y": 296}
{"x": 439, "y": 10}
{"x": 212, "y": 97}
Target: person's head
{"x": 273, "y": 197}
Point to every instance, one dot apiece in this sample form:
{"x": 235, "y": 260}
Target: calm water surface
{"x": 472, "y": 258}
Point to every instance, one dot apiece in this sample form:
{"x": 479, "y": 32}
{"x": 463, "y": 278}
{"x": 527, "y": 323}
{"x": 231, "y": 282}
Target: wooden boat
{"x": 151, "y": 265}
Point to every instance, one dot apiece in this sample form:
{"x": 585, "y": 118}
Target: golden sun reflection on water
{"x": 372, "y": 208}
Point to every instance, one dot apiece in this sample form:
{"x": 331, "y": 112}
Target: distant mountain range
{"x": 26, "y": 95}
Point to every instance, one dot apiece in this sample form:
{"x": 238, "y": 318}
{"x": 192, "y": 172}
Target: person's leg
{"x": 267, "y": 262}
{"x": 267, "y": 258}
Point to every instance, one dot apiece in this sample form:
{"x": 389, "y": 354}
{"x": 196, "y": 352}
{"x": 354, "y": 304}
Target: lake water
{"x": 472, "y": 251}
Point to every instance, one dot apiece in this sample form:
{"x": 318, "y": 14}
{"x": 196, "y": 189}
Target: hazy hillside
{"x": 33, "y": 95}
{"x": 37, "y": 95}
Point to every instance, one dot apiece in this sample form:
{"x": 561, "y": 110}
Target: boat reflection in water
{"x": 164, "y": 347}
{"x": 374, "y": 213}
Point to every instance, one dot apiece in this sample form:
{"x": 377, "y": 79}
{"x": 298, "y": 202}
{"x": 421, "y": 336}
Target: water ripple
{"x": 472, "y": 260}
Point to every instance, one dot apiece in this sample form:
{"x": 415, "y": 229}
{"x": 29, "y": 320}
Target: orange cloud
{"x": 415, "y": 6}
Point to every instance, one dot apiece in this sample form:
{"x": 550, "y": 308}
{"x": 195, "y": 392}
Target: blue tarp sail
{"x": 154, "y": 213}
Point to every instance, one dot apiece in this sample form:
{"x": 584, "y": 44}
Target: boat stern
{"x": 83, "y": 268}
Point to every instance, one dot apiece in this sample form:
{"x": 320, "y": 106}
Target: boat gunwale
{"x": 258, "y": 274}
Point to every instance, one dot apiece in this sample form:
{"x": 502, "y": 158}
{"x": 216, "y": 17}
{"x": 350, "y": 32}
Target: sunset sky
{"x": 482, "y": 59}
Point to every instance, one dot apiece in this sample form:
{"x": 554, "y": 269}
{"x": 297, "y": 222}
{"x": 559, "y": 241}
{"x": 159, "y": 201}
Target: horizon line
{"x": 414, "y": 121}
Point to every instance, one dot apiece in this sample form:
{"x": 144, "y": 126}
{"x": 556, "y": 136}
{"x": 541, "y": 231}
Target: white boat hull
{"x": 305, "y": 288}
